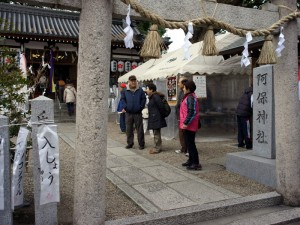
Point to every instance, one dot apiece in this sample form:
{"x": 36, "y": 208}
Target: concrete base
{"x": 256, "y": 168}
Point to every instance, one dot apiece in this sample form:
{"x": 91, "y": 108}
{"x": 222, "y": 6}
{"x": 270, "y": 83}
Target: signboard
{"x": 200, "y": 82}
{"x": 263, "y": 112}
{"x": 172, "y": 88}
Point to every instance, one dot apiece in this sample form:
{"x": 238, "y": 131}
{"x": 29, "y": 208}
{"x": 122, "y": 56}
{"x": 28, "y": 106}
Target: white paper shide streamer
{"x": 1, "y": 173}
{"x": 245, "y": 60}
{"x": 187, "y": 44}
{"x": 128, "y": 31}
{"x": 17, "y": 190}
{"x": 49, "y": 162}
{"x": 23, "y": 63}
{"x": 280, "y": 45}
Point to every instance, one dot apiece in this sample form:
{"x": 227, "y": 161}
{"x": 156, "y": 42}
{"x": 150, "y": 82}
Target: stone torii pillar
{"x": 287, "y": 112}
{"x": 93, "y": 72}
{"x": 92, "y": 108}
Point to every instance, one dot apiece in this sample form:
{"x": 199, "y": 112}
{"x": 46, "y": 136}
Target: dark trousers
{"x": 122, "y": 122}
{"x": 244, "y": 132}
{"x": 181, "y": 140}
{"x": 189, "y": 137}
{"x": 137, "y": 121}
{"x": 157, "y": 139}
{"x": 61, "y": 93}
{"x": 70, "y": 106}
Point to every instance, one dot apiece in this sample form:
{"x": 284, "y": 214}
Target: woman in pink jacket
{"x": 189, "y": 116}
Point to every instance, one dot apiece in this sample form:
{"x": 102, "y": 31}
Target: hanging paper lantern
{"x": 127, "y": 66}
{"x": 134, "y": 65}
{"x": 113, "y": 66}
{"x": 120, "y": 66}
{"x": 140, "y": 63}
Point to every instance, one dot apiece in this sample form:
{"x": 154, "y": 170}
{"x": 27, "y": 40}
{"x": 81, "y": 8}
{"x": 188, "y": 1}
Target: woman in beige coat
{"x": 70, "y": 98}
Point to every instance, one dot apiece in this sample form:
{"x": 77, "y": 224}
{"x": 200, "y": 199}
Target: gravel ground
{"x": 118, "y": 205}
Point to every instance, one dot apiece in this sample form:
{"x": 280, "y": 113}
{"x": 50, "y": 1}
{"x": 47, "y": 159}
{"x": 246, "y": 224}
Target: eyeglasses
{"x": 133, "y": 80}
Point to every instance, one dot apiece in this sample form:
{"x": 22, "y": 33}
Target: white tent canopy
{"x": 226, "y": 67}
{"x": 142, "y": 69}
{"x": 173, "y": 63}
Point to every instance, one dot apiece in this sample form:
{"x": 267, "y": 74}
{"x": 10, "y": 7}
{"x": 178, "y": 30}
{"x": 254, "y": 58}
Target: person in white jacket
{"x": 70, "y": 98}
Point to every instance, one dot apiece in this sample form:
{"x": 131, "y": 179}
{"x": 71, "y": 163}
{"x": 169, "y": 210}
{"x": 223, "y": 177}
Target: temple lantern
{"x": 127, "y": 66}
{"x": 120, "y": 66}
{"x": 134, "y": 65}
{"x": 113, "y": 66}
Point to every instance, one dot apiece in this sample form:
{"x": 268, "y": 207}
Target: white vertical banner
{"x": 17, "y": 186}
{"x": 1, "y": 173}
{"x": 49, "y": 163}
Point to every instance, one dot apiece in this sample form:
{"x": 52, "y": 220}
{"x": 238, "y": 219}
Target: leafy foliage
{"x": 11, "y": 84}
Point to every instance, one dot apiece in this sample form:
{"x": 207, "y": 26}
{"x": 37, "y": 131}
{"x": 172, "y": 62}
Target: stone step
{"x": 269, "y": 215}
{"x": 205, "y": 212}
{"x": 65, "y": 120}
{"x": 61, "y": 113}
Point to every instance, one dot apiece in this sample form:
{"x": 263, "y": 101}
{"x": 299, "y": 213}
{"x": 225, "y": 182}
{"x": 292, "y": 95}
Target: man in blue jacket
{"x": 134, "y": 100}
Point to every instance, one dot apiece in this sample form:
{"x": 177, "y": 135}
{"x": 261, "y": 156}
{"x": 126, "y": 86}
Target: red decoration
{"x": 120, "y": 66}
{"x": 134, "y": 65}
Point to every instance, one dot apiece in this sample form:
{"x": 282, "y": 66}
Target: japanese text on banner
{"x": 18, "y": 169}
{"x": 262, "y": 114}
{"x": 49, "y": 163}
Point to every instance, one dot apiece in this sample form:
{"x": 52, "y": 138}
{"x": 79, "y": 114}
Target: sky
{"x": 177, "y": 38}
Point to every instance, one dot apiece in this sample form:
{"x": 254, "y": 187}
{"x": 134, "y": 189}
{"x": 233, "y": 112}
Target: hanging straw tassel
{"x": 152, "y": 44}
{"x": 209, "y": 42}
{"x": 267, "y": 55}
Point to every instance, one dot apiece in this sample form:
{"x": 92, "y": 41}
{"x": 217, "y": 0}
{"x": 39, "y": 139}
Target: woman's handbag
{"x": 145, "y": 113}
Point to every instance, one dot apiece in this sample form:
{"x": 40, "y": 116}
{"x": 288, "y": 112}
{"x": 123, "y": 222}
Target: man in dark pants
{"x": 134, "y": 100}
{"x": 244, "y": 114}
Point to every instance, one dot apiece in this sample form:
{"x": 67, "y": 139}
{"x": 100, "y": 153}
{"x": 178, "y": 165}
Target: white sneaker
{"x": 178, "y": 151}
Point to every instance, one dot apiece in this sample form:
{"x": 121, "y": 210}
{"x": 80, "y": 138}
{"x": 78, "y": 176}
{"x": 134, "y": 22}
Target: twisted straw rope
{"x": 209, "y": 21}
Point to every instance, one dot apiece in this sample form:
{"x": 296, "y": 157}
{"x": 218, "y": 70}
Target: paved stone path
{"x": 152, "y": 184}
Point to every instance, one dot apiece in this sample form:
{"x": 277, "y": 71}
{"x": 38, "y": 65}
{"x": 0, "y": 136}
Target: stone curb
{"x": 193, "y": 214}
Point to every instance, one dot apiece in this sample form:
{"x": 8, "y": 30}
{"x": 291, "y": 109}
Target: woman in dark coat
{"x": 156, "y": 120}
